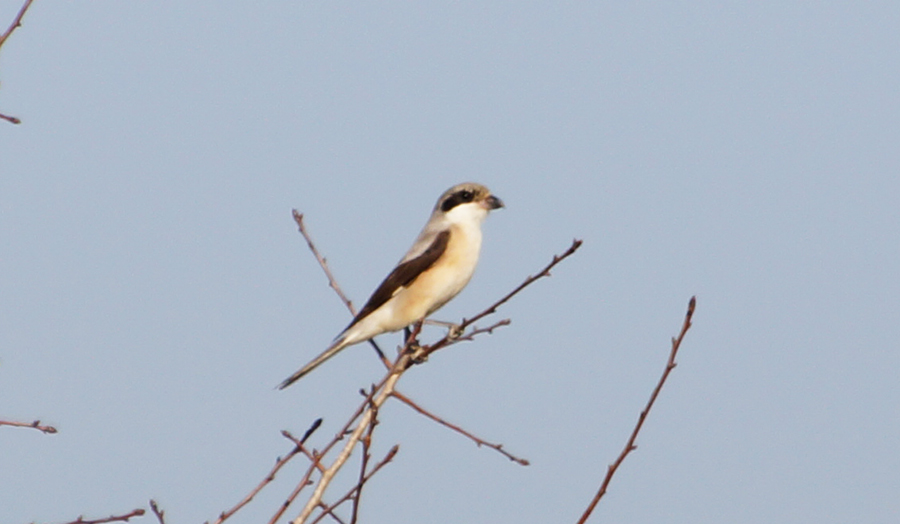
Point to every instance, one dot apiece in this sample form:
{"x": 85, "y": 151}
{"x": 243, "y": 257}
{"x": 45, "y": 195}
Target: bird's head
{"x": 467, "y": 201}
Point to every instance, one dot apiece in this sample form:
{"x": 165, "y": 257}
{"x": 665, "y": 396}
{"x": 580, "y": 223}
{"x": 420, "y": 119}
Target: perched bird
{"x": 434, "y": 270}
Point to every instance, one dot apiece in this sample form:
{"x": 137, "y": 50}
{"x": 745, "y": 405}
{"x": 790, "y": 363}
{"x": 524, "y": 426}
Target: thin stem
{"x": 279, "y": 463}
{"x": 630, "y": 445}
{"x": 447, "y": 340}
{"x": 36, "y": 425}
{"x": 387, "y": 458}
{"x": 16, "y": 23}
{"x": 332, "y": 282}
{"x": 364, "y": 422}
{"x": 112, "y": 518}
{"x": 160, "y": 514}
{"x": 364, "y": 463}
{"x": 480, "y": 442}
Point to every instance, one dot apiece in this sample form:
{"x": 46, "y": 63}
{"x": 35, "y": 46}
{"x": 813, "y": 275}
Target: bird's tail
{"x": 332, "y": 350}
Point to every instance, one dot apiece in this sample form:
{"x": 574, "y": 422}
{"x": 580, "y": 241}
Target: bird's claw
{"x": 454, "y": 331}
{"x": 418, "y": 355}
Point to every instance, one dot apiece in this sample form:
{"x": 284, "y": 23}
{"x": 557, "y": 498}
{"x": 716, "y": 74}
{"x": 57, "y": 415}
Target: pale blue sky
{"x": 154, "y": 290}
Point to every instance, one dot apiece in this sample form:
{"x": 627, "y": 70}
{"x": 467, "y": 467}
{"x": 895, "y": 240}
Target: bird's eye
{"x": 463, "y": 196}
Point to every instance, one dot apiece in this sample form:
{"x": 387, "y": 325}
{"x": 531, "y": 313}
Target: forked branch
{"x": 279, "y": 463}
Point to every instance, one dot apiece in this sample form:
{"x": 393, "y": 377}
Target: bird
{"x": 436, "y": 268}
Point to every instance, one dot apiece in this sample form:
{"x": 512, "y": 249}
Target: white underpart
{"x": 467, "y": 216}
{"x": 464, "y": 221}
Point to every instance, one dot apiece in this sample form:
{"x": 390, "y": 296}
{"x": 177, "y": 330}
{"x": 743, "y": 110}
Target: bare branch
{"x": 528, "y": 281}
{"x": 364, "y": 463}
{"x": 309, "y": 454}
{"x": 387, "y": 458}
{"x": 447, "y": 340}
{"x": 113, "y": 518}
{"x": 364, "y": 420}
{"x": 36, "y": 425}
{"x": 477, "y": 331}
{"x": 313, "y": 457}
{"x": 328, "y": 511}
{"x": 305, "y": 481}
{"x": 16, "y": 23}
{"x": 356, "y": 491}
{"x": 630, "y": 445}
{"x": 312, "y": 429}
{"x": 279, "y": 463}
{"x": 332, "y": 282}
{"x": 470, "y": 336}
{"x": 480, "y": 442}
{"x": 298, "y": 218}
{"x": 11, "y": 119}
{"x": 384, "y": 391}
{"x": 160, "y": 514}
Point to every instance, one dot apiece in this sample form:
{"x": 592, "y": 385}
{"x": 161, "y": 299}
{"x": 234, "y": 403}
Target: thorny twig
{"x": 630, "y": 445}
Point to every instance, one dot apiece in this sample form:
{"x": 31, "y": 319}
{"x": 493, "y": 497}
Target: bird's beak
{"x": 493, "y": 202}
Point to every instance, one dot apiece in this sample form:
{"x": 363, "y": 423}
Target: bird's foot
{"x": 418, "y": 354}
{"x": 454, "y": 331}
{"x": 412, "y": 346}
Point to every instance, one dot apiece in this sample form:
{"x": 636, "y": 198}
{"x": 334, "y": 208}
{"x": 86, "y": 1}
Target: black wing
{"x": 404, "y": 275}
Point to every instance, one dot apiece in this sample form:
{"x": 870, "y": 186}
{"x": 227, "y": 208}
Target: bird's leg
{"x": 416, "y": 351}
{"x": 453, "y": 330}
{"x": 408, "y": 340}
